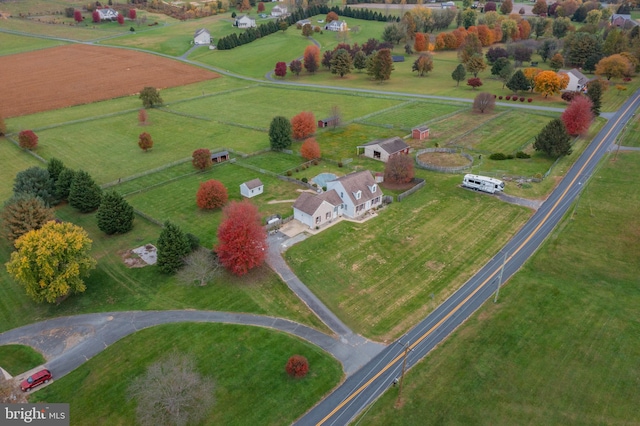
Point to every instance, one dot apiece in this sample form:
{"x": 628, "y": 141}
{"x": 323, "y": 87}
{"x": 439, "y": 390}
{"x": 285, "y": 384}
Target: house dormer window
{"x": 358, "y": 195}
{"x": 373, "y": 188}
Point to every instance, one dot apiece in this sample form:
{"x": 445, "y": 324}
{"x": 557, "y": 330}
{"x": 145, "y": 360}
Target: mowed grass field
{"x": 10, "y": 44}
{"x": 379, "y": 276}
{"x": 244, "y": 364}
{"x": 561, "y": 345}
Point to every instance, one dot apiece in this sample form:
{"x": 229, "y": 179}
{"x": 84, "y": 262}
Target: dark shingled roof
{"x": 391, "y": 145}
{"x": 254, "y": 183}
{"x": 309, "y": 203}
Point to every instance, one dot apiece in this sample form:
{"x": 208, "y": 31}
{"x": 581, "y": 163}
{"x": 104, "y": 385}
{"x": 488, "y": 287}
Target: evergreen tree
{"x": 63, "y": 185}
{"x": 518, "y": 82}
{"x": 35, "y": 181}
{"x": 173, "y": 246}
{"x": 360, "y": 60}
{"x": 84, "y": 193}
{"x": 280, "y": 132}
{"x": 553, "y": 139}
{"x": 55, "y": 167}
{"x": 23, "y": 213}
{"x": 459, "y": 74}
{"x": 115, "y": 215}
{"x": 341, "y": 63}
{"x": 594, "y": 92}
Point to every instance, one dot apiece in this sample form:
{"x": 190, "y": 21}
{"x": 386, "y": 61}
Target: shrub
{"x": 305, "y": 180}
{"x": 289, "y": 173}
{"x": 297, "y": 366}
{"x": 508, "y": 97}
{"x": 201, "y": 159}
{"x": 510, "y": 157}
{"x": 500, "y": 97}
{"x": 529, "y": 100}
{"x": 27, "y": 139}
{"x": 515, "y": 98}
{"x": 498, "y": 156}
{"x": 521, "y": 98}
{"x": 521, "y": 154}
{"x": 339, "y": 163}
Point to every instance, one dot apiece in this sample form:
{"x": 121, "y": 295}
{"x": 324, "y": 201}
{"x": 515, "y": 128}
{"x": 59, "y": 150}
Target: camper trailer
{"x": 483, "y": 183}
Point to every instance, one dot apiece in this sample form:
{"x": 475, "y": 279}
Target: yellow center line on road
{"x": 489, "y": 278}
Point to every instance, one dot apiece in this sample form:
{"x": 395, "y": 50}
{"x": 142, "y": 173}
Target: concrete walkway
{"x": 68, "y": 342}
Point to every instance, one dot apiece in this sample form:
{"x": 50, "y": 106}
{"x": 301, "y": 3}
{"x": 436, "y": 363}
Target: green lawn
{"x": 561, "y": 346}
{"x": 411, "y": 113}
{"x": 11, "y": 44}
{"x": 14, "y": 160}
{"x": 16, "y": 359}
{"x": 632, "y": 134}
{"x": 381, "y": 279}
{"x": 115, "y": 287}
{"x": 245, "y": 364}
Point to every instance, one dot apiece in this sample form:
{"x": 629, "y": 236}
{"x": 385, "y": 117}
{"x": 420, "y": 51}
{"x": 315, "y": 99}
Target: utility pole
{"x": 404, "y": 367}
{"x": 495, "y": 299}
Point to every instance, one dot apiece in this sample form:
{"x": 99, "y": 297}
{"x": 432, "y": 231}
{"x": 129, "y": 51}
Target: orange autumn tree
{"x": 310, "y": 149}
{"x": 303, "y": 125}
{"x": 420, "y": 44}
{"x": 311, "y": 58}
{"x": 530, "y": 74}
{"x": 549, "y": 83}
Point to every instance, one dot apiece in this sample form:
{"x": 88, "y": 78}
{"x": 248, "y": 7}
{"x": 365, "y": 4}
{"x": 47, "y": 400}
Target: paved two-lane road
{"x": 362, "y": 388}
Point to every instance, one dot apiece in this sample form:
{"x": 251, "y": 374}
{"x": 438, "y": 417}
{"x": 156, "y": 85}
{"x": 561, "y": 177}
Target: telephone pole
{"x": 404, "y": 367}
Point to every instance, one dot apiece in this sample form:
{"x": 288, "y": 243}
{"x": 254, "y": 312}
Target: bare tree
{"x": 172, "y": 392}
{"x": 484, "y": 102}
{"x": 200, "y": 267}
{"x": 335, "y": 115}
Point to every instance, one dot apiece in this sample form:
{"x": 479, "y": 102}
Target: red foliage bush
{"x": 500, "y": 97}
{"x": 201, "y": 159}
{"x": 508, "y": 97}
{"x": 211, "y": 195}
{"x": 521, "y": 98}
{"x": 310, "y": 149}
{"x": 145, "y": 142}
{"x": 474, "y": 82}
{"x": 96, "y": 16}
{"x": 303, "y": 125}
{"x": 515, "y": 98}
{"x": 27, "y": 139}
{"x": 297, "y": 366}
{"x": 281, "y": 69}
{"x": 529, "y": 100}
{"x": 132, "y": 14}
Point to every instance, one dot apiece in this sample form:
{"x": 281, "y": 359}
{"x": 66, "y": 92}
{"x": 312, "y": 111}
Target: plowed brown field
{"x": 79, "y": 74}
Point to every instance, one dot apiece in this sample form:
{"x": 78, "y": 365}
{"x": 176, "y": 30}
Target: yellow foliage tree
{"x": 549, "y": 82}
{"x": 530, "y": 74}
{"x": 614, "y": 66}
{"x": 52, "y": 261}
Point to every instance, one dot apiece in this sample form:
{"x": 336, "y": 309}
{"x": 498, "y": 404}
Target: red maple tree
{"x": 303, "y": 125}
{"x": 311, "y": 58}
{"x": 310, "y": 149}
{"x": 77, "y": 16}
{"x": 145, "y": 142}
{"x": 120, "y": 19}
{"x": 201, "y": 159}
{"x": 260, "y": 7}
{"x": 132, "y": 14}
{"x": 474, "y": 82}
{"x": 96, "y": 16}
{"x": 399, "y": 169}
{"x": 27, "y": 139}
{"x": 242, "y": 242}
{"x": 297, "y": 366}
{"x": 281, "y": 69}
{"x": 578, "y": 116}
{"x": 211, "y": 195}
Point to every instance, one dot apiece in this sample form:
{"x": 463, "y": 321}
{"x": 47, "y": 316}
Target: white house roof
{"x": 390, "y": 146}
{"x": 107, "y": 13}
{"x": 244, "y": 18}
{"x": 359, "y": 181}
{"x": 253, "y": 184}
{"x": 309, "y": 203}
{"x": 201, "y": 31}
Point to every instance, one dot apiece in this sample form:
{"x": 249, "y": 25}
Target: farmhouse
{"x": 317, "y": 209}
{"x": 577, "y": 80}
{"x": 245, "y": 22}
{"x": 202, "y": 36}
{"x": 108, "y": 14}
{"x": 278, "y": 11}
{"x": 252, "y": 188}
{"x": 358, "y": 191}
{"x": 420, "y": 132}
{"x": 383, "y": 149}
{"x": 336, "y": 26}
{"x": 623, "y": 21}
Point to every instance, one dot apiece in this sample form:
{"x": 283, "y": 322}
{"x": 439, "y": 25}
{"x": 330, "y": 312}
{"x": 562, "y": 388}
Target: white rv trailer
{"x": 483, "y": 183}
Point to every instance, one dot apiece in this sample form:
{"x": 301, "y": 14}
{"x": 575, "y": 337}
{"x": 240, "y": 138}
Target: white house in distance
{"x": 245, "y": 22}
{"x": 108, "y": 14}
{"x": 383, "y": 149}
{"x": 577, "y": 80}
{"x": 252, "y": 188}
{"x": 202, "y": 37}
{"x": 336, "y": 26}
{"x": 352, "y": 196}
{"x": 278, "y": 11}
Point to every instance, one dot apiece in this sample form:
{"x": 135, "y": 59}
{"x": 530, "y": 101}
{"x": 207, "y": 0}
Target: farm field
{"x": 121, "y": 72}
{"x": 260, "y": 392}
{"x": 561, "y": 345}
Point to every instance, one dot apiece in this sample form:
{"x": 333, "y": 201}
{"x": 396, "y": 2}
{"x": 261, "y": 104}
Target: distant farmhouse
{"x": 383, "y": 149}
{"x": 623, "y": 21}
{"x": 352, "y": 196}
{"x": 108, "y": 14}
{"x": 245, "y": 22}
{"x": 336, "y": 26}
{"x": 202, "y": 36}
{"x": 278, "y": 11}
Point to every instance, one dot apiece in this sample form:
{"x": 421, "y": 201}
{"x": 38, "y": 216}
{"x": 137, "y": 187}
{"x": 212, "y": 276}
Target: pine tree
{"x": 594, "y": 92}
{"x": 280, "y": 133}
{"x": 24, "y": 212}
{"x": 553, "y": 139}
{"x": 63, "y": 184}
{"x": 360, "y": 60}
{"x": 173, "y": 246}
{"x": 55, "y": 167}
{"x": 115, "y": 215}
{"x": 35, "y": 181}
{"x": 459, "y": 74}
{"x": 84, "y": 194}
{"x": 518, "y": 82}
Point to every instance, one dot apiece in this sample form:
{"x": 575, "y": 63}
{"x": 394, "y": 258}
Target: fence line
{"x": 420, "y": 184}
{"x": 30, "y": 152}
{"x": 149, "y": 218}
{"x": 441, "y": 169}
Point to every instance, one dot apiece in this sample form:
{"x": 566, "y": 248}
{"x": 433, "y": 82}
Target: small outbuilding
{"x": 331, "y": 121}
{"x": 420, "y": 132}
{"x": 252, "y": 188}
{"x": 202, "y": 37}
{"x": 219, "y": 157}
{"x": 383, "y": 149}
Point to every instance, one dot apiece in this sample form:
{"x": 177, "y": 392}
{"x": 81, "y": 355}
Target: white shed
{"x": 252, "y": 188}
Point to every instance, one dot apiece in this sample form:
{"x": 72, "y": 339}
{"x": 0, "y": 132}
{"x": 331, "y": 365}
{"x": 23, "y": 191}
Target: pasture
{"x": 245, "y": 365}
{"x": 561, "y": 345}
